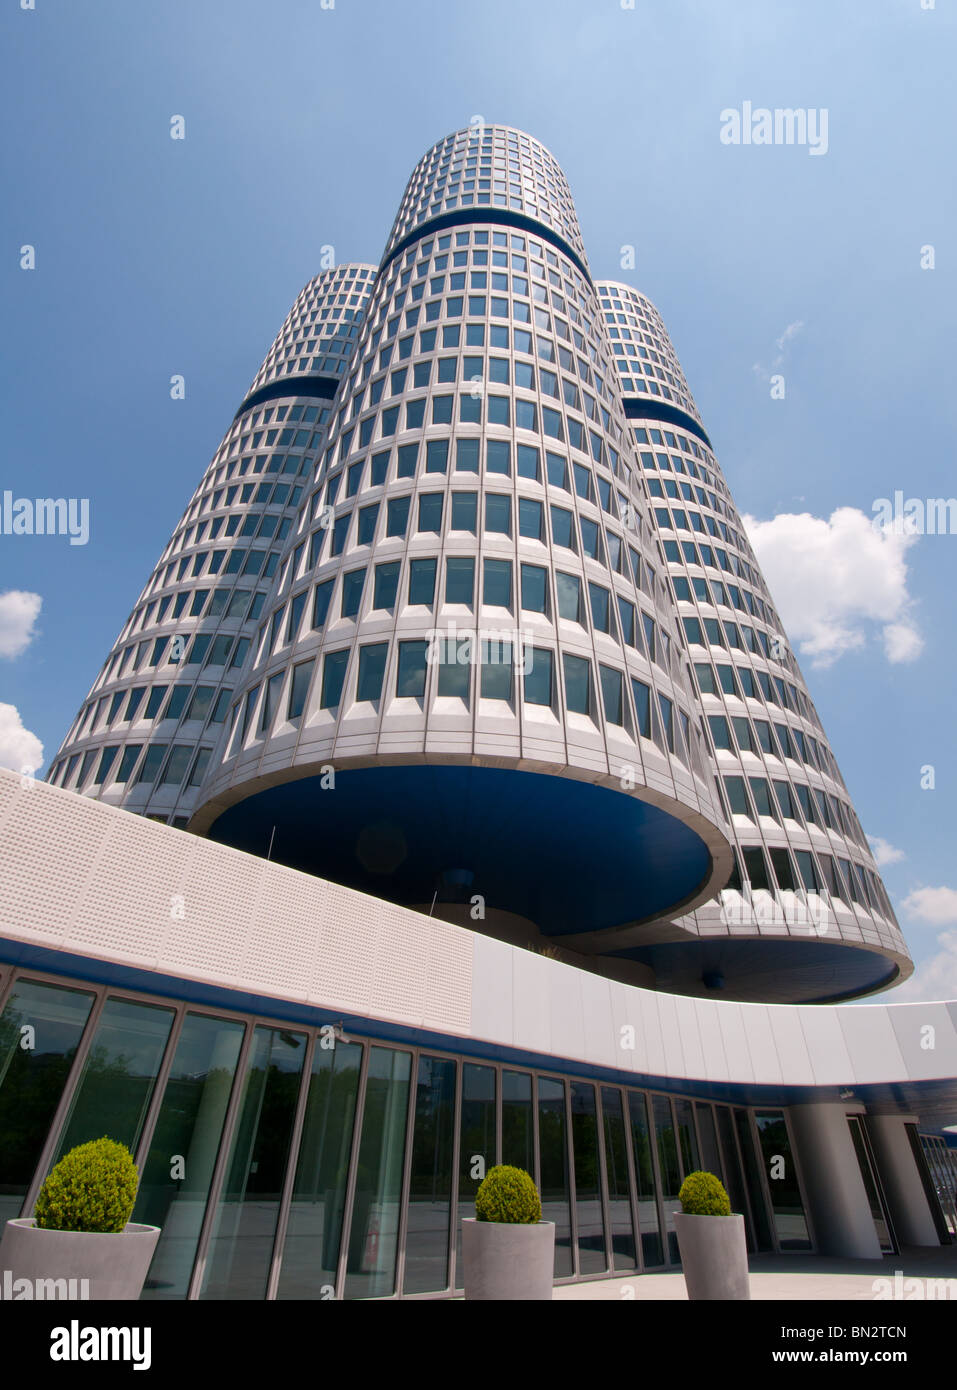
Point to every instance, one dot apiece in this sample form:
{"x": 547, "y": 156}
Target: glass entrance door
{"x": 872, "y": 1185}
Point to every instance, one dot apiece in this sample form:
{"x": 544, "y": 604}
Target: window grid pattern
{"x": 146, "y": 732}
{"x": 479, "y": 438}
{"x": 372, "y": 572}
{"x": 794, "y": 828}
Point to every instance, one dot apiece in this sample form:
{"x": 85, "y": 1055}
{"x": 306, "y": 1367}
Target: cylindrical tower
{"x": 146, "y": 731}
{"x": 805, "y": 914}
{"x": 468, "y": 690}
{"x": 462, "y": 615}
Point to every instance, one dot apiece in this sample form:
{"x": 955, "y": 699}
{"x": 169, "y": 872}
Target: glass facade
{"x": 314, "y": 1229}
{"x": 937, "y": 1165}
{"x": 40, "y": 1028}
{"x": 238, "y": 1258}
{"x": 787, "y": 1208}
{"x": 178, "y": 1168}
{"x": 292, "y": 1162}
{"x": 592, "y": 1245}
{"x": 376, "y": 1203}
{"x": 430, "y": 1179}
{"x": 119, "y": 1073}
{"x": 872, "y": 1185}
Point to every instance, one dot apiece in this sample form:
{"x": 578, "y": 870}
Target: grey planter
{"x": 714, "y": 1256}
{"x": 506, "y": 1260}
{"x": 115, "y": 1264}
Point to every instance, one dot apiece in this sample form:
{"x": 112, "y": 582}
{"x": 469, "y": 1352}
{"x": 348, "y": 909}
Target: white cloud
{"x": 19, "y": 611}
{"x": 792, "y": 330}
{"x": 884, "y": 852}
{"x": 18, "y": 747}
{"x": 902, "y": 642}
{"x": 938, "y": 906}
{"x": 789, "y": 334}
{"x": 934, "y": 978}
{"x": 836, "y": 581}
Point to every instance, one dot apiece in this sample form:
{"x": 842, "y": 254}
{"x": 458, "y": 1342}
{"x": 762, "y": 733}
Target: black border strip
{"x": 323, "y": 387}
{"x": 466, "y": 216}
{"x": 646, "y": 408}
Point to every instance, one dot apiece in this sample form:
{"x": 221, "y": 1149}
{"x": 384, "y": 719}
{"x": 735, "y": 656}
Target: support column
{"x": 836, "y": 1196}
{"x": 906, "y": 1198}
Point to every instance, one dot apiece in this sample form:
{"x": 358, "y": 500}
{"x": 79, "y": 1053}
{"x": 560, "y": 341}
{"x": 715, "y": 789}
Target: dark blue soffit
{"x": 321, "y": 387}
{"x": 646, "y": 408}
{"x": 568, "y": 855}
{"x": 770, "y": 970}
{"x": 463, "y": 217}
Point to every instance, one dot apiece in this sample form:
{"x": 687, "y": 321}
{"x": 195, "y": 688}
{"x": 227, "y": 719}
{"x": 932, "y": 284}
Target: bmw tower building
{"x": 511, "y": 830}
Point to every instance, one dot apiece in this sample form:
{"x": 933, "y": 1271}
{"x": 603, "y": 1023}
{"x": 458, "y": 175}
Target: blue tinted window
{"x": 386, "y": 585}
{"x": 410, "y": 681}
{"x": 371, "y": 671}
{"x": 430, "y": 511}
{"x": 611, "y": 695}
{"x": 538, "y": 676}
{"x": 352, "y": 586}
{"x": 467, "y": 455}
{"x": 498, "y": 513}
{"x": 320, "y": 606}
{"x": 464, "y": 511}
{"x": 333, "y": 675}
{"x": 459, "y": 579}
{"x": 497, "y": 583}
{"x": 562, "y": 532}
{"x": 498, "y": 456}
{"x": 422, "y": 582}
{"x": 397, "y": 516}
{"x": 577, "y": 684}
{"x": 530, "y": 518}
{"x": 534, "y": 588}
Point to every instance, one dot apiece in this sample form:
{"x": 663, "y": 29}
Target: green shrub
{"x": 92, "y": 1188}
{"x": 703, "y": 1195}
{"x": 508, "y": 1194}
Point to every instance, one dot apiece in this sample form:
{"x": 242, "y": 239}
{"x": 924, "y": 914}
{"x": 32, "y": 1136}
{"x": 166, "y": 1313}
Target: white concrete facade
{"x": 262, "y": 929}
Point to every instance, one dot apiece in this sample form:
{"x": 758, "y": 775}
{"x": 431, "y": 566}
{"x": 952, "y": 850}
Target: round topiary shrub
{"x": 702, "y": 1194}
{"x": 92, "y": 1188}
{"x": 508, "y": 1194}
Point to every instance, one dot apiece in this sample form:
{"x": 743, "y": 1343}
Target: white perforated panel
{"x": 78, "y": 875}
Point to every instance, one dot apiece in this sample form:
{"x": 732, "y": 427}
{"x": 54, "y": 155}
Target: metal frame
{"x": 798, "y": 1177}
{"x": 737, "y": 1160}
{"x": 345, "y": 1236}
{"x": 630, "y": 1167}
{"x": 860, "y": 1117}
{"x": 194, "y": 1290}
{"x": 292, "y": 1165}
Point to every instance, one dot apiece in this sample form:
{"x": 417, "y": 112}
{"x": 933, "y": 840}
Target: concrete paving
{"x": 794, "y": 1278}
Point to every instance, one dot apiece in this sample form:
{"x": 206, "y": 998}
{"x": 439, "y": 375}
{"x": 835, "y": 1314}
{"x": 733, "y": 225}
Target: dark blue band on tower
{"x": 643, "y": 408}
{"x": 466, "y": 216}
{"x": 322, "y": 387}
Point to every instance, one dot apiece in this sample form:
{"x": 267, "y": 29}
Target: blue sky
{"x": 156, "y": 257}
